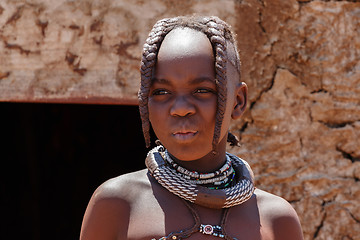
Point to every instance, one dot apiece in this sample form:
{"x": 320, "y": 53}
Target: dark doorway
{"x": 53, "y": 156}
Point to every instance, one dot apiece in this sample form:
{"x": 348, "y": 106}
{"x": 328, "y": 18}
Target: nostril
{"x": 182, "y": 108}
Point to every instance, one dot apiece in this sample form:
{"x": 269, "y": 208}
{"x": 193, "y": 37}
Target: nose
{"x": 182, "y": 107}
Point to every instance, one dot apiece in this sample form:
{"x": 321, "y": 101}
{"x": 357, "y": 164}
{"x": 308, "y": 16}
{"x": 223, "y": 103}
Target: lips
{"x": 184, "y": 135}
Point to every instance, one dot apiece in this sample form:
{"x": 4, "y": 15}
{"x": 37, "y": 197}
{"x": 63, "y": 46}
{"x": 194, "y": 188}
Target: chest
{"x": 159, "y": 213}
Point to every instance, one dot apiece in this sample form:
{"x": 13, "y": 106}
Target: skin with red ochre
{"x": 182, "y": 109}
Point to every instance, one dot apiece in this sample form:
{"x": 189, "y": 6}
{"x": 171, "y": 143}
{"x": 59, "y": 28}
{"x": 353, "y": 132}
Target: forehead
{"x": 184, "y": 43}
{"x": 184, "y": 55}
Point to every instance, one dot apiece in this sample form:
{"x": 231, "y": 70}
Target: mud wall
{"x": 301, "y": 61}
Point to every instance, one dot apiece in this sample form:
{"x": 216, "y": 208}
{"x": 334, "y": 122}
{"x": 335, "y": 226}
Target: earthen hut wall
{"x": 300, "y": 59}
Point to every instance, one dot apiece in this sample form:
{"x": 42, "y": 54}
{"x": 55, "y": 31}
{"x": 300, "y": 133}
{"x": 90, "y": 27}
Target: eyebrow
{"x": 160, "y": 80}
{"x": 193, "y": 81}
{"x": 202, "y": 79}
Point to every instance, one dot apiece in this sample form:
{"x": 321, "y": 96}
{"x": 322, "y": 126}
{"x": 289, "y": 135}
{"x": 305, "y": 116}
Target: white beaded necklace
{"x": 195, "y": 175}
{"x": 216, "y": 178}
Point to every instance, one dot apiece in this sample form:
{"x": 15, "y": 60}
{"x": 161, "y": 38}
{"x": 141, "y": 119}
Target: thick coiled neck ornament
{"x": 240, "y": 191}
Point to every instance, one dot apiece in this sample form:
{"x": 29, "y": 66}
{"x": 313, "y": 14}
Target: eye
{"x": 204, "y": 91}
{"x": 159, "y": 92}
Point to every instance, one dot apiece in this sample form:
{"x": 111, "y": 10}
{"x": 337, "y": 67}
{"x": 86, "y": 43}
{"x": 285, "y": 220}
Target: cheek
{"x": 156, "y": 117}
{"x": 152, "y": 113}
{"x": 209, "y": 114}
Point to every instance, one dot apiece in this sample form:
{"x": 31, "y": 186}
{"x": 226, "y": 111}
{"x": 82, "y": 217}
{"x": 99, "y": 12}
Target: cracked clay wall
{"x": 300, "y": 60}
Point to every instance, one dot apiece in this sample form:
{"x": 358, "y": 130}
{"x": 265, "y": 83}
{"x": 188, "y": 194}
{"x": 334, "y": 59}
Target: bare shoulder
{"x": 108, "y": 212}
{"x": 123, "y": 187}
{"x": 273, "y": 206}
{"x": 279, "y": 215}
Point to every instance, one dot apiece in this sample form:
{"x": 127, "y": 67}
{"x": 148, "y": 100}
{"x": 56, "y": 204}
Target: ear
{"x": 240, "y": 100}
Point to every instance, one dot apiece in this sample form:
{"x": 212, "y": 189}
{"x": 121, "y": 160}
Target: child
{"x": 190, "y": 90}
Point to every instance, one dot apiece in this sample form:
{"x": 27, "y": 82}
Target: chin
{"x": 189, "y": 153}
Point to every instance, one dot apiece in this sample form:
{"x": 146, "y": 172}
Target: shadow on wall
{"x": 54, "y": 156}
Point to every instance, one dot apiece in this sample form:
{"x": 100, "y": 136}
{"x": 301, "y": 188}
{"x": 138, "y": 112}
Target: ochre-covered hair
{"x": 224, "y": 47}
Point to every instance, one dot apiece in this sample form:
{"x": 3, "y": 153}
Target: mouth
{"x": 184, "y": 135}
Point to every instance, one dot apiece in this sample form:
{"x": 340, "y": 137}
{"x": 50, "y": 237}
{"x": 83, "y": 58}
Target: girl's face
{"x": 183, "y": 96}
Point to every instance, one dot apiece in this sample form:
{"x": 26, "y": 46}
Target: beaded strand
{"x": 196, "y": 175}
{"x": 239, "y": 191}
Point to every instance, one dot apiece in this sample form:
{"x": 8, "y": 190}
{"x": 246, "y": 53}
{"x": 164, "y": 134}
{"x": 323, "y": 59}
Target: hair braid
{"x": 147, "y": 69}
{"x": 219, "y": 34}
{"x": 217, "y": 39}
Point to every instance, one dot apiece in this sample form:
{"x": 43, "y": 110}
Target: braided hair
{"x": 220, "y": 36}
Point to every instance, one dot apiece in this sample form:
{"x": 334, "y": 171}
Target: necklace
{"x": 207, "y": 229}
{"x": 176, "y": 183}
{"x": 218, "y": 179}
{"x": 194, "y": 174}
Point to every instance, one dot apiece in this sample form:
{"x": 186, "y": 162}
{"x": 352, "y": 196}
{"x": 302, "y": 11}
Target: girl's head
{"x": 226, "y": 60}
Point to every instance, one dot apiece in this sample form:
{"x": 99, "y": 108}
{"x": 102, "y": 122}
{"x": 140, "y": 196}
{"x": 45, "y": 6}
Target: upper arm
{"x": 106, "y": 217}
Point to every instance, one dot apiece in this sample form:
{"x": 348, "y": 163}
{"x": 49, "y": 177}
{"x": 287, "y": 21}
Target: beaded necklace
{"x": 175, "y": 182}
{"x": 216, "y": 180}
{"x": 206, "y": 229}
{"x": 235, "y": 188}
{"x": 194, "y": 174}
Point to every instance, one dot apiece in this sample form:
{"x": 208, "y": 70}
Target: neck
{"x": 208, "y": 163}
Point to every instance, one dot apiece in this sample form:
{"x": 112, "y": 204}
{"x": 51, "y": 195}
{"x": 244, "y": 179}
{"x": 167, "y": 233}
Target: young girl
{"x": 190, "y": 91}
